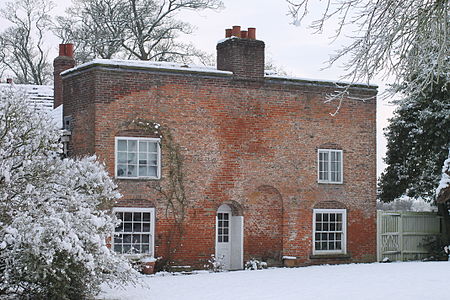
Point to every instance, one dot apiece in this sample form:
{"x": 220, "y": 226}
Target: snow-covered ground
{"x": 399, "y": 281}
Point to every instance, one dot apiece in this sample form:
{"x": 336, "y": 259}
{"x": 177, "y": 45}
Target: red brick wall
{"x": 249, "y": 142}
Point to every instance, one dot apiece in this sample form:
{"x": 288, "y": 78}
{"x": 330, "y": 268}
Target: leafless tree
{"x": 22, "y": 51}
{"x": 404, "y": 40}
{"x": 139, "y": 29}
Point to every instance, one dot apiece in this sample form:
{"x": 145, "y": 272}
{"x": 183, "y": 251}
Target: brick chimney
{"x": 63, "y": 62}
{"x": 241, "y": 53}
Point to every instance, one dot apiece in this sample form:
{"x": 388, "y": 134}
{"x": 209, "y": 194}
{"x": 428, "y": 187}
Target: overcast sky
{"x": 294, "y": 48}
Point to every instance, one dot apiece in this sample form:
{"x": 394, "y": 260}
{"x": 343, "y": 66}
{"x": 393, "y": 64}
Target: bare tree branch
{"x": 22, "y": 44}
{"x": 139, "y": 29}
{"x": 406, "y": 40}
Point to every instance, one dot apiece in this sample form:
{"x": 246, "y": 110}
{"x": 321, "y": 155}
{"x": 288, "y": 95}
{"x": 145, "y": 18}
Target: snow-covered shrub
{"x": 254, "y": 264}
{"x": 215, "y": 264}
{"x": 54, "y": 217}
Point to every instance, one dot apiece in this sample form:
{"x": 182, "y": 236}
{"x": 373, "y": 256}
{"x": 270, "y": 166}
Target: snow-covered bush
{"x": 54, "y": 219}
{"x": 215, "y": 264}
{"x": 254, "y": 264}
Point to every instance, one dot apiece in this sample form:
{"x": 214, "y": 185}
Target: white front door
{"x": 223, "y": 254}
{"x": 229, "y": 241}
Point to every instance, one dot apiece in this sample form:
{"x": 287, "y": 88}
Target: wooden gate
{"x": 402, "y": 235}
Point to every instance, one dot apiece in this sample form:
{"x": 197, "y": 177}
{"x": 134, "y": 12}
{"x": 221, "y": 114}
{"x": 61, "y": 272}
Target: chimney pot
{"x": 228, "y": 33}
{"x": 66, "y": 50}
{"x": 251, "y": 33}
{"x": 236, "y": 31}
{"x": 9, "y": 80}
{"x": 243, "y": 56}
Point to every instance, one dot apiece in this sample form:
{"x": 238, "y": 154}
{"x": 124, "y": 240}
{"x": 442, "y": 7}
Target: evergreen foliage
{"x": 418, "y": 139}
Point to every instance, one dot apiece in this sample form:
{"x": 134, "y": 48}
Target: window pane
{"x": 146, "y": 227}
{"x": 143, "y": 159}
{"x": 145, "y": 238}
{"x": 121, "y": 170}
{"x": 127, "y": 238}
{"x": 132, "y": 171}
{"x": 152, "y": 147}
{"x": 145, "y": 249}
{"x": 122, "y": 157}
{"x": 136, "y": 239}
{"x": 118, "y": 248}
{"x": 152, "y": 171}
{"x": 137, "y": 227}
{"x": 137, "y": 216}
{"x": 126, "y": 248}
{"x": 132, "y": 158}
{"x": 127, "y": 227}
{"x": 318, "y": 246}
{"x": 318, "y": 217}
{"x": 132, "y": 145}
{"x": 118, "y": 239}
{"x": 122, "y": 145}
{"x": 153, "y": 159}
{"x": 143, "y": 171}
{"x": 142, "y": 146}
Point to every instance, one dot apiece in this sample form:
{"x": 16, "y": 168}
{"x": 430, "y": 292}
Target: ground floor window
{"x": 329, "y": 231}
{"x": 135, "y": 233}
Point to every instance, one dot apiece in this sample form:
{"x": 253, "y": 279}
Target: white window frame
{"x": 329, "y": 151}
{"x": 158, "y": 147}
{"x": 150, "y": 210}
{"x": 344, "y": 232}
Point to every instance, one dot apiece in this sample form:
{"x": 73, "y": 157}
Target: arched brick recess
{"x": 263, "y": 225}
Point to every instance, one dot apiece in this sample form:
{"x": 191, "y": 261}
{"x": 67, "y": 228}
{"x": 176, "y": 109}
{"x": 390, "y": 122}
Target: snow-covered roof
{"x": 443, "y": 190}
{"x": 40, "y": 97}
{"x": 272, "y": 75}
{"x": 142, "y": 64}
{"x": 179, "y": 67}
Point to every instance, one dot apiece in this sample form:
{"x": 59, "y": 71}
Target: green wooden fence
{"x": 401, "y": 235}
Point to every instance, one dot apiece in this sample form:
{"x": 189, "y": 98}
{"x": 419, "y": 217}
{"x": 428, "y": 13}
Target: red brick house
{"x": 229, "y": 161}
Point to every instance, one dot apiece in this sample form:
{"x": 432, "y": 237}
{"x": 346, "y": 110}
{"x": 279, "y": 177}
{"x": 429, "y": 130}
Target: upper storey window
{"x": 138, "y": 158}
{"x": 330, "y": 166}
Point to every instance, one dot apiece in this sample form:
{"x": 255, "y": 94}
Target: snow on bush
{"x": 54, "y": 218}
{"x": 445, "y": 179}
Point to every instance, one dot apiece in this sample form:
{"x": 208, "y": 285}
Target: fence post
{"x": 400, "y": 236}
{"x": 379, "y": 232}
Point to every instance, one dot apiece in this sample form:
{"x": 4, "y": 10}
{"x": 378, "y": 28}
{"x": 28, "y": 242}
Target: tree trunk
{"x": 443, "y": 211}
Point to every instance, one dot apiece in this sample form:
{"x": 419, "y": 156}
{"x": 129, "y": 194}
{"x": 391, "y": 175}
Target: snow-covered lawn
{"x": 399, "y": 281}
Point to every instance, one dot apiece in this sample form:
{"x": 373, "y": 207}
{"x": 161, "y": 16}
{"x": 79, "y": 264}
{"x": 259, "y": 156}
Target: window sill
{"x": 329, "y": 182}
{"x": 330, "y": 256}
{"x": 138, "y": 178}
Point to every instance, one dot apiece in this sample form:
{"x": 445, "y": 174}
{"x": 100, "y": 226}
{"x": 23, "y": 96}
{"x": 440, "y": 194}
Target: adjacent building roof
{"x": 40, "y": 97}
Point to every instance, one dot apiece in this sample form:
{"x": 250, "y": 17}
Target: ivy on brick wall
{"x": 172, "y": 188}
